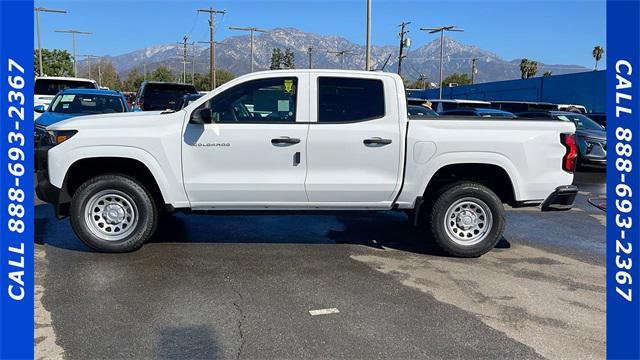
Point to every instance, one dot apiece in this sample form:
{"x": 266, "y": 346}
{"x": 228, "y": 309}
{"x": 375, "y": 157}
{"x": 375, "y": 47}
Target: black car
{"x": 522, "y": 106}
{"x": 591, "y": 136}
{"x": 154, "y": 95}
{"x": 416, "y": 111}
{"x": 479, "y": 112}
{"x": 600, "y": 118}
{"x": 185, "y": 100}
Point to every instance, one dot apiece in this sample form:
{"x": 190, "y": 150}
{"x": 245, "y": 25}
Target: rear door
{"x": 354, "y": 145}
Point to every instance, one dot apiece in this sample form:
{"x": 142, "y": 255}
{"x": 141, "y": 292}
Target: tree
{"x": 528, "y": 68}
{"x": 276, "y": 59}
{"x": 201, "y": 81}
{"x": 597, "y": 53}
{"x": 54, "y": 63}
{"x": 459, "y": 79}
{"x": 109, "y": 75}
{"x": 133, "y": 80}
{"x": 420, "y": 83}
{"x": 162, "y": 73}
{"x": 289, "y": 59}
{"x": 547, "y": 73}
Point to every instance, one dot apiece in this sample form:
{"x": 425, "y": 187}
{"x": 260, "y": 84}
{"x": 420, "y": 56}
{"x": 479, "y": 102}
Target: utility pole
{"x": 184, "y": 43}
{"x": 441, "y": 30}
{"x": 144, "y": 71}
{"x": 212, "y": 45}
{"x": 38, "y": 10}
{"x": 251, "y": 30}
{"x": 73, "y": 36}
{"x": 403, "y": 44}
{"x": 473, "y": 70}
{"x": 89, "y": 57}
{"x": 367, "y": 65}
{"x": 309, "y": 51}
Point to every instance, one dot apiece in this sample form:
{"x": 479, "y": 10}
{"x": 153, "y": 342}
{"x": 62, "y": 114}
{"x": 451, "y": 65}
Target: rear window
{"x": 52, "y": 86}
{"x": 164, "y": 96}
{"x": 346, "y": 99}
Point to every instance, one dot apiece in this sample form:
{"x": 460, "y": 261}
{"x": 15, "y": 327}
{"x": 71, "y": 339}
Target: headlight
{"x": 57, "y": 137}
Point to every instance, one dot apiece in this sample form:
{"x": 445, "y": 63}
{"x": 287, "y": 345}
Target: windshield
{"x": 582, "y": 122}
{"x": 87, "y": 104}
{"x": 52, "y": 86}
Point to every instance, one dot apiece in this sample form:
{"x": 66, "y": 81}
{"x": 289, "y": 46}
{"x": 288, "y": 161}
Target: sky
{"x": 554, "y": 32}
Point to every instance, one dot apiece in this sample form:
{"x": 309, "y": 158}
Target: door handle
{"x": 284, "y": 141}
{"x": 376, "y": 141}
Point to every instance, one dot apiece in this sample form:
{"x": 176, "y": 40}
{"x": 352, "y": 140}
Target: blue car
{"x": 70, "y": 103}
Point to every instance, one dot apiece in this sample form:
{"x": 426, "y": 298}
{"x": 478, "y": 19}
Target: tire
{"x": 113, "y": 213}
{"x": 475, "y": 219}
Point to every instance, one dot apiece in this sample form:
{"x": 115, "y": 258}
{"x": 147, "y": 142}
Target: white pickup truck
{"x": 299, "y": 140}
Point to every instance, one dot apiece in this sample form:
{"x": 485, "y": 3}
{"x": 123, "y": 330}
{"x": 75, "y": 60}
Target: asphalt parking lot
{"x": 242, "y": 287}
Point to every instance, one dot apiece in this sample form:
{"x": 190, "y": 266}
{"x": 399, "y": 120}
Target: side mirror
{"x": 39, "y": 109}
{"x": 201, "y": 116}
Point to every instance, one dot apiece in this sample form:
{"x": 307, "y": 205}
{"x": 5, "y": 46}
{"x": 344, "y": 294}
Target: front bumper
{"x": 46, "y": 191}
{"x": 561, "y": 199}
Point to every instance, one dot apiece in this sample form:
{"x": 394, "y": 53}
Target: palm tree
{"x": 528, "y": 68}
{"x": 597, "y": 53}
{"x": 524, "y": 68}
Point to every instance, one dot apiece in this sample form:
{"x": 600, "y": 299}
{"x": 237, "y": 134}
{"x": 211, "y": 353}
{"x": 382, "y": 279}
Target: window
{"x": 53, "y": 86}
{"x": 346, "y": 99}
{"x": 87, "y": 104}
{"x": 257, "y": 101}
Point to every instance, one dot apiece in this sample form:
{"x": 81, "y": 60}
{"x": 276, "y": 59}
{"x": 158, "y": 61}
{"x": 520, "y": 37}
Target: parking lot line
{"x": 324, "y": 311}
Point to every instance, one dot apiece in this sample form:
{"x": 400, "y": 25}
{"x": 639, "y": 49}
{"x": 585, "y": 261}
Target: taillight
{"x": 570, "y": 159}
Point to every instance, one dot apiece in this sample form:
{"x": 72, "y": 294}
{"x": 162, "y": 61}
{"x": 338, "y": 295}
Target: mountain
{"x": 233, "y": 54}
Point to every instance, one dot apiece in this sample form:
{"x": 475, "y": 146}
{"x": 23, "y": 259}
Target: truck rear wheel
{"x": 467, "y": 220}
{"x": 113, "y": 213}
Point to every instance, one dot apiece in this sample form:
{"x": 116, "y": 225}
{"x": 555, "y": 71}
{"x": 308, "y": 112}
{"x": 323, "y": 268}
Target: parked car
{"x": 186, "y": 100}
{"x": 572, "y": 108}
{"x": 303, "y": 140}
{"x": 154, "y": 95}
{"x": 600, "y": 118}
{"x": 591, "y": 136}
{"x": 419, "y": 110}
{"x": 479, "y": 112}
{"x": 521, "y": 106}
{"x": 77, "y": 102}
{"x": 440, "y": 105}
{"x": 46, "y": 87}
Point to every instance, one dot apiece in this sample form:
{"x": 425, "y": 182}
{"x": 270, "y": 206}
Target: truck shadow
{"x": 378, "y": 230}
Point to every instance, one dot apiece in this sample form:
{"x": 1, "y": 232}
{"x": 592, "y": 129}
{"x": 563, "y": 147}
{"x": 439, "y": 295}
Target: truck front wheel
{"x": 113, "y": 213}
{"x": 467, "y": 219}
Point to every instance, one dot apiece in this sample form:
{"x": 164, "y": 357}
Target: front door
{"x": 253, "y": 154}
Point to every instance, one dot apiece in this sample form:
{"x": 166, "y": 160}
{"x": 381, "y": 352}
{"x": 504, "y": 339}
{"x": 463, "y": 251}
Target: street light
{"x": 251, "y": 30}
{"x": 73, "y": 35}
{"x": 38, "y": 10}
{"x": 367, "y": 62}
{"x": 441, "y": 30}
